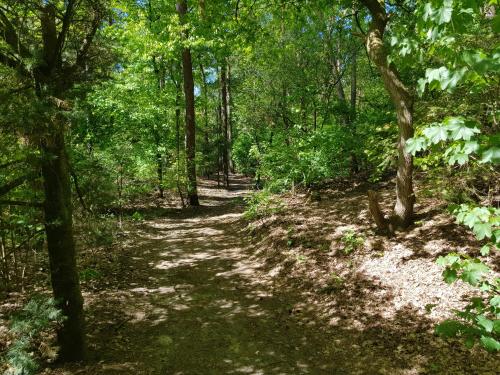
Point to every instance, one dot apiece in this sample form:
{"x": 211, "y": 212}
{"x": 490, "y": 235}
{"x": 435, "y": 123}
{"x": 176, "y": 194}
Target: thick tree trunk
{"x": 225, "y": 124}
{"x": 60, "y": 243}
{"x": 403, "y": 102}
{"x": 187, "y": 71}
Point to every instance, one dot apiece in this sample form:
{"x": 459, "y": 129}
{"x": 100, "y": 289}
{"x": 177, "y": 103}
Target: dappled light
{"x": 249, "y": 187}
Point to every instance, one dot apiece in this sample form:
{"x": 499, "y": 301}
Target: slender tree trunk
{"x": 178, "y": 142}
{"x": 315, "y": 117}
{"x": 219, "y": 141}
{"x": 403, "y": 102}
{"x": 160, "y": 71}
{"x": 159, "y": 162}
{"x": 60, "y": 243}
{"x": 206, "y": 148}
{"x": 187, "y": 71}
{"x": 352, "y": 114}
{"x": 354, "y": 74}
{"x": 229, "y": 120}
{"x": 225, "y": 124}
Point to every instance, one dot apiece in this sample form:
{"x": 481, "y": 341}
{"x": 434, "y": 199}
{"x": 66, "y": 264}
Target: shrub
{"x": 38, "y": 316}
{"x": 262, "y": 204}
{"x": 351, "y": 241}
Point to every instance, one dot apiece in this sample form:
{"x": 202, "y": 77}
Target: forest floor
{"x": 202, "y": 291}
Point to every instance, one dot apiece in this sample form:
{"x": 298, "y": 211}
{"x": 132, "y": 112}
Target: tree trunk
{"x": 60, "y": 243}
{"x": 178, "y": 142}
{"x": 159, "y": 162}
{"x": 354, "y": 73}
{"x": 187, "y": 71}
{"x": 225, "y": 124}
{"x": 206, "y": 144}
{"x": 352, "y": 114}
{"x": 219, "y": 140}
{"x": 229, "y": 121}
{"x": 403, "y": 102}
{"x": 376, "y": 212}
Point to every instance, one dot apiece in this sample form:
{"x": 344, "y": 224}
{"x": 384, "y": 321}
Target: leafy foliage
{"x": 351, "y": 241}
{"x": 262, "y": 204}
{"x": 37, "y": 317}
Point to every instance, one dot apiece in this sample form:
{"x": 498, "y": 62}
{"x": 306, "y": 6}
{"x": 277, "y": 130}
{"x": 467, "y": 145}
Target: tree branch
{"x": 66, "y": 22}
{"x": 9, "y": 35}
{"x": 20, "y": 203}
{"x": 17, "y": 182}
{"x": 82, "y": 53}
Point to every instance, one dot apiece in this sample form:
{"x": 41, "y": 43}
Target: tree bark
{"x": 4, "y": 189}
{"x": 229, "y": 121}
{"x": 377, "y": 213}
{"x": 52, "y": 78}
{"x": 187, "y": 71}
{"x": 60, "y": 243}
{"x": 403, "y": 102}
{"x": 352, "y": 114}
{"x": 225, "y": 124}
{"x": 178, "y": 143}
{"x": 206, "y": 141}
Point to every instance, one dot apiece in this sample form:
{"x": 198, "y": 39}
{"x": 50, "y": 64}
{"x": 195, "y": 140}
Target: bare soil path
{"x": 195, "y": 292}
{"x": 194, "y": 302}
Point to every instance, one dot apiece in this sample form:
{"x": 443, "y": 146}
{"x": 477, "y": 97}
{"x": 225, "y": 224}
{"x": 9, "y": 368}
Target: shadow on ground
{"x": 194, "y": 297}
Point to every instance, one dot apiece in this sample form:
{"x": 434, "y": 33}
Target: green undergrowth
{"x": 30, "y": 328}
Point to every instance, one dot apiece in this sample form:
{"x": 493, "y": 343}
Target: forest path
{"x": 194, "y": 302}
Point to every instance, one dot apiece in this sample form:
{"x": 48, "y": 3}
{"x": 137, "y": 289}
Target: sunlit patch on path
{"x": 197, "y": 303}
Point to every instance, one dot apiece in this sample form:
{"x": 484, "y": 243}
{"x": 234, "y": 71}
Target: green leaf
{"x": 471, "y": 147}
{"x": 473, "y": 272}
{"x": 449, "y": 275}
{"x": 470, "y": 219}
{"x": 436, "y": 134}
{"x": 449, "y": 328}
{"x": 495, "y": 301}
{"x": 485, "y": 323}
{"x": 470, "y": 341}
{"x": 459, "y": 129}
{"x": 447, "y": 260}
{"x": 444, "y": 13}
{"x": 414, "y": 145}
{"x": 490, "y": 343}
{"x": 482, "y": 230}
{"x": 485, "y": 250}
{"x": 459, "y": 158}
{"x": 496, "y": 326}
{"x": 491, "y": 155}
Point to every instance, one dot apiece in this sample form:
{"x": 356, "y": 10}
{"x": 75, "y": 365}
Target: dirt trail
{"x": 192, "y": 301}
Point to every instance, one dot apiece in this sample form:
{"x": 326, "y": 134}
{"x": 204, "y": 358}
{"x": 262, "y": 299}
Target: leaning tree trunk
{"x": 187, "y": 71}
{"x": 403, "y": 102}
{"x": 60, "y": 243}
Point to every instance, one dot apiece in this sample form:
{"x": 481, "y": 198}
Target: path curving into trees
{"x": 194, "y": 301}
